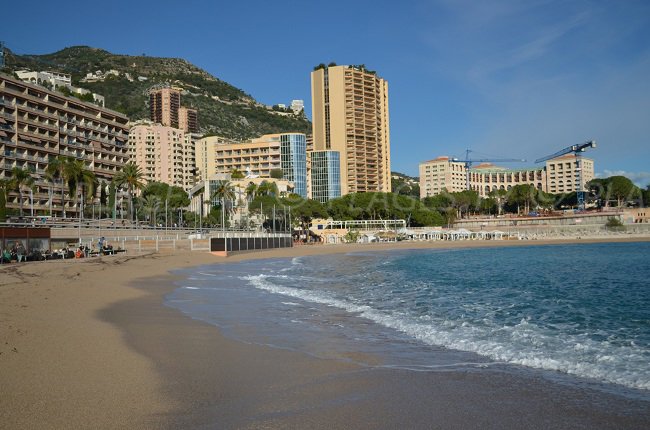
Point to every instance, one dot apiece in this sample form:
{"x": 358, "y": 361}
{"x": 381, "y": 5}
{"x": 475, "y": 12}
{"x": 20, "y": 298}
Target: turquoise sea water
{"x": 576, "y": 310}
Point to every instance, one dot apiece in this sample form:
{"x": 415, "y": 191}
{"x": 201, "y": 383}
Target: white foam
{"x": 524, "y": 343}
{"x": 192, "y": 288}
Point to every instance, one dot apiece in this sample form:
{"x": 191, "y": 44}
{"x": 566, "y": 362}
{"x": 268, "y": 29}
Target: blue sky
{"x": 505, "y": 78}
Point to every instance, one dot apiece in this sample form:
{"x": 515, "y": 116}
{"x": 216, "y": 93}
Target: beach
{"x": 89, "y": 344}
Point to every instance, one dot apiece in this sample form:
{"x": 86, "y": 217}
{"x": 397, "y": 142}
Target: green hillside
{"x": 223, "y": 109}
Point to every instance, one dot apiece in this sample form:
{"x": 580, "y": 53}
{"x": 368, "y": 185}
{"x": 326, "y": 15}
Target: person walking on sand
{"x": 20, "y": 251}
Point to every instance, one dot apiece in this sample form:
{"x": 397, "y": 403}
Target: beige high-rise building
{"x": 188, "y": 120}
{"x": 350, "y": 115}
{"x": 38, "y": 125}
{"x": 165, "y": 154}
{"x": 563, "y": 176}
{"x": 164, "y": 104}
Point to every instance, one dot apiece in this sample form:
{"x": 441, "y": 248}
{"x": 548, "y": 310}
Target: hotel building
{"x": 563, "y": 176}
{"x": 350, "y": 115}
{"x": 257, "y": 157}
{"x": 165, "y": 154}
{"x": 559, "y": 175}
{"x": 325, "y": 174}
{"x": 37, "y": 125}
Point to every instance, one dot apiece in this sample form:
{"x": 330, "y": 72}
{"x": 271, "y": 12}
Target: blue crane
{"x": 577, "y": 150}
{"x": 468, "y": 163}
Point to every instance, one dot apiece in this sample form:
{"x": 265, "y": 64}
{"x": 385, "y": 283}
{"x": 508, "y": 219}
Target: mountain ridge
{"x": 224, "y": 109}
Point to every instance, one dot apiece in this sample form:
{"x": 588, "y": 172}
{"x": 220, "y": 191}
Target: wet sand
{"x": 88, "y": 344}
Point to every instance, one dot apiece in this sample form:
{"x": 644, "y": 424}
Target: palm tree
{"x": 21, "y": 178}
{"x": 78, "y": 176}
{"x": 4, "y": 187}
{"x": 151, "y": 204}
{"x": 131, "y": 176}
{"x": 251, "y": 190}
{"x": 224, "y": 191}
{"x": 268, "y": 189}
{"x": 55, "y": 171}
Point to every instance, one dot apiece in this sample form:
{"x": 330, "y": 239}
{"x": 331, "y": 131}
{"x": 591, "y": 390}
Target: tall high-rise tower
{"x": 164, "y": 104}
{"x": 350, "y": 115}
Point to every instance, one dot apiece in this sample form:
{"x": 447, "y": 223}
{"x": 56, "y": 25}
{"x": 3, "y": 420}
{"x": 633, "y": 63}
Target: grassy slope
{"x": 233, "y": 114}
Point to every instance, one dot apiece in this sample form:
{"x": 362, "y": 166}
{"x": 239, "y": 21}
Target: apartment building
{"x": 165, "y": 154}
{"x": 559, "y": 175}
{"x": 188, "y": 120}
{"x": 256, "y": 157}
{"x": 37, "y": 125}
{"x": 164, "y": 104}
{"x": 206, "y": 159}
{"x": 350, "y": 115}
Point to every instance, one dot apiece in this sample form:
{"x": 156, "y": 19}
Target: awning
{"x": 3, "y": 134}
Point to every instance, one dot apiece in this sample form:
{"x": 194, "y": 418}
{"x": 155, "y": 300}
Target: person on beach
{"x": 20, "y": 251}
{"x": 6, "y": 256}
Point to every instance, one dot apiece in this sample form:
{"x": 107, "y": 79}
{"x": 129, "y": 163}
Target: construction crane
{"x": 468, "y": 163}
{"x": 577, "y": 150}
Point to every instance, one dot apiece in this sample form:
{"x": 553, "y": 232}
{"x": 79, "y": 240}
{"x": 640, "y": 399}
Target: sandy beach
{"x": 89, "y": 344}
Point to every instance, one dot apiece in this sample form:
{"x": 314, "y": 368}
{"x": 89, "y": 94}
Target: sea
{"x": 577, "y": 314}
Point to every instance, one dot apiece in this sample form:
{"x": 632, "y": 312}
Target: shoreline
{"x": 91, "y": 348}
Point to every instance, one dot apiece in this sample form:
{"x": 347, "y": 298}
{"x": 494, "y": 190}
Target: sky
{"x": 504, "y": 78}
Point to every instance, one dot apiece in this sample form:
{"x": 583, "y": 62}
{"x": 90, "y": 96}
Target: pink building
{"x": 165, "y": 154}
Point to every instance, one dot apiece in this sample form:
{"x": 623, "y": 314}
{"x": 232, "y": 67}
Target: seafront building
{"x": 38, "y": 125}
{"x": 350, "y": 115}
{"x": 325, "y": 175}
{"x": 559, "y": 175}
{"x": 256, "y": 157}
{"x": 165, "y": 154}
